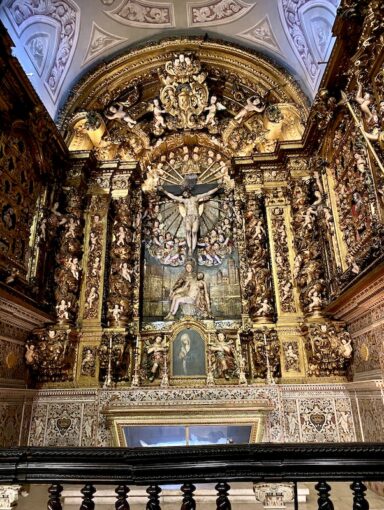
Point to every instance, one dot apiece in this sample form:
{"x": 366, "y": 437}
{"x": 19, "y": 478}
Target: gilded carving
{"x": 115, "y": 354}
{"x": 282, "y": 260}
{"x": 256, "y": 273}
{"x": 329, "y": 349}
{"x": 97, "y": 208}
{"x": 50, "y": 354}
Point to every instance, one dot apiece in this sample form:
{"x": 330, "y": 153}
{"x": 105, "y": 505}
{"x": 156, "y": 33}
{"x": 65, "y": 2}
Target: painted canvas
{"x": 188, "y": 354}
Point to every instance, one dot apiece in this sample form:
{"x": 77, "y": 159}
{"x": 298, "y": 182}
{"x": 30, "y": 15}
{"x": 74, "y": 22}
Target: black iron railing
{"x": 154, "y": 467}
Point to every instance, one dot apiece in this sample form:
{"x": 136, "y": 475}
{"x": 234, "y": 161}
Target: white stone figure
{"x": 73, "y": 265}
{"x": 259, "y": 231}
{"x": 352, "y": 262}
{"x": 291, "y": 424}
{"x": 126, "y": 272}
{"x": 120, "y": 114}
{"x": 316, "y": 301}
{"x": 57, "y": 213}
{"x": 329, "y": 219}
{"x": 346, "y": 348}
{"x": 158, "y": 115}
{"x": 253, "y": 104}
{"x": 249, "y": 277}
{"x": 116, "y": 311}
{"x": 191, "y": 211}
{"x": 189, "y": 290}
{"x": 93, "y": 239}
{"x": 71, "y": 228}
{"x": 95, "y": 266}
{"x": 30, "y": 354}
{"x": 92, "y": 296}
{"x": 265, "y": 309}
{"x": 121, "y": 236}
{"x": 212, "y": 109}
{"x": 364, "y": 101}
{"x": 157, "y": 353}
{"x": 62, "y": 310}
{"x": 286, "y": 291}
{"x": 291, "y": 357}
{"x": 343, "y": 422}
{"x": 297, "y": 266}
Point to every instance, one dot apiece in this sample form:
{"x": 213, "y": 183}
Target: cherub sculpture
{"x": 253, "y": 104}
{"x": 120, "y": 114}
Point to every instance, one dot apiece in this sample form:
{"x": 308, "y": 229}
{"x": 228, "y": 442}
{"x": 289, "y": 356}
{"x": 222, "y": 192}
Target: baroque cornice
{"x": 20, "y": 316}
{"x": 142, "y": 63}
{"x": 360, "y": 299}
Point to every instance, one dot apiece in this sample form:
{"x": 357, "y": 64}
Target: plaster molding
{"x": 144, "y": 14}
{"x": 100, "y": 40}
{"x": 262, "y": 33}
{"x": 65, "y": 16}
{"x": 216, "y": 12}
{"x": 295, "y": 17}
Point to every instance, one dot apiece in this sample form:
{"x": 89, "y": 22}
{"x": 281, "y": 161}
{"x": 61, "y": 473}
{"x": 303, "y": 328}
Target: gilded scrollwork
{"x": 282, "y": 260}
{"x": 97, "y": 208}
{"x": 50, "y": 354}
{"x": 329, "y": 349}
{"x": 122, "y": 262}
{"x": 115, "y": 355}
{"x": 68, "y": 258}
{"x": 307, "y": 211}
{"x": 256, "y": 273}
{"x": 265, "y": 351}
{"x": 155, "y": 361}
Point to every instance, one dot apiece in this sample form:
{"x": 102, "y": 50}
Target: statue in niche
{"x": 191, "y": 208}
{"x": 224, "y": 357}
{"x": 156, "y": 356}
{"x": 190, "y": 290}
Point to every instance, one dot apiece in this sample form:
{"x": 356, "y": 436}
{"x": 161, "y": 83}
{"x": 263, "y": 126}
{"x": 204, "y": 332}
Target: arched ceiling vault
{"x": 58, "y": 42}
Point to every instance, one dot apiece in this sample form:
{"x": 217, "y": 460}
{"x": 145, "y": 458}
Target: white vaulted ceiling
{"x": 58, "y": 41}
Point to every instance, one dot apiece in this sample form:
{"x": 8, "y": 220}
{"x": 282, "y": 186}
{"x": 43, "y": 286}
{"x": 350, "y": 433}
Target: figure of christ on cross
{"x": 191, "y": 210}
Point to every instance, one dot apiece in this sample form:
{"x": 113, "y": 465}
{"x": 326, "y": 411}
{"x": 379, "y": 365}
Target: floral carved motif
{"x": 100, "y": 41}
{"x": 256, "y": 273}
{"x": 262, "y": 33}
{"x": 282, "y": 261}
{"x": 95, "y": 251}
{"x": 309, "y": 30}
{"x": 142, "y": 13}
{"x": 216, "y": 12}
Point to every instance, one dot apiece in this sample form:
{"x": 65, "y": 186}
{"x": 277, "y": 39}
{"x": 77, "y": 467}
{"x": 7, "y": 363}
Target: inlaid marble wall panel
{"x": 64, "y": 419}
{"x": 317, "y": 414}
{"x": 301, "y": 414}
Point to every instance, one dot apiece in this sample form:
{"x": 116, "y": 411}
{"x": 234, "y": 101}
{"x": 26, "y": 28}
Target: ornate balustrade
{"x": 222, "y": 464}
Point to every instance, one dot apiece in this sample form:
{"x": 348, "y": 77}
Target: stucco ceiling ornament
{"x": 216, "y": 12}
{"x": 145, "y": 14}
{"x": 65, "y": 16}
